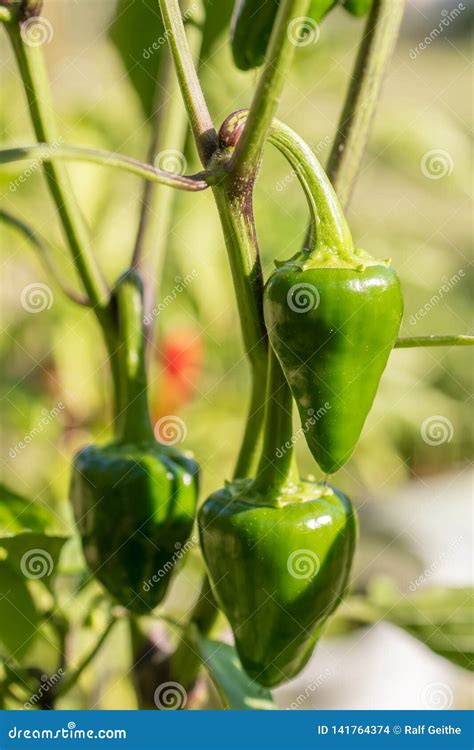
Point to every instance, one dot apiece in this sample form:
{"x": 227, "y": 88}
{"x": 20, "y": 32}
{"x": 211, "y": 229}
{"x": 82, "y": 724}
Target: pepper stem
{"x": 132, "y": 422}
{"x": 276, "y": 467}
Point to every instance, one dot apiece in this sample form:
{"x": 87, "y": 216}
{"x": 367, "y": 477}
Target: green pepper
{"x": 134, "y": 499}
{"x": 357, "y": 8}
{"x": 278, "y": 551}
{"x": 333, "y": 314}
{"x": 252, "y": 24}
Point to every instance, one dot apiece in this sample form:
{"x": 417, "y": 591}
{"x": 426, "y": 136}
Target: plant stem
{"x": 265, "y": 101}
{"x": 52, "y": 152}
{"x": 194, "y": 101}
{"x": 31, "y": 64}
{"x": 374, "y": 53}
{"x": 276, "y": 459}
{"x": 40, "y": 244}
{"x": 416, "y": 341}
{"x": 71, "y": 678}
{"x": 169, "y": 129}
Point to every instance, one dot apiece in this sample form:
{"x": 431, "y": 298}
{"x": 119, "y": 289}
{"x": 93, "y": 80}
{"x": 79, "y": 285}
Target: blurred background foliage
{"x": 198, "y": 369}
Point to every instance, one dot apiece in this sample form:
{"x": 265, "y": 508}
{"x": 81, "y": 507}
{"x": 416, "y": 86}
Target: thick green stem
{"x": 247, "y": 459}
{"x": 276, "y": 463}
{"x": 35, "y": 80}
{"x": 196, "y": 107}
{"x": 278, "y": 58}
{"x": 132, "y": 421}
{"x": 416, "y": 341}
{"x": 374, "y": 54}
{"x": 50, "y": 153}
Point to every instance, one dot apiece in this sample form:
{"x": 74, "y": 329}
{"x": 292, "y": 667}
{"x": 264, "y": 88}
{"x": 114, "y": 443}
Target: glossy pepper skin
{"x": 333, "y": 314}
{"x": 134, "y": 499}
{"x": 251, "y": 27}
{"x": 333, "y": 330}
{"x": 277, "y": 569}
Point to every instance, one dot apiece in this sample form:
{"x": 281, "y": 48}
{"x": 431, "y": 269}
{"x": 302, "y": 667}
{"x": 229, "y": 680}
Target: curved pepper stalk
{"x": 134, "y": 500}
{"x": 333, "y": 314}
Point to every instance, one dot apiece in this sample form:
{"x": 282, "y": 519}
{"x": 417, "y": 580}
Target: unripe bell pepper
{"x": 134, "y": 500}
{"x": 333, "y": 314}
{"x": 278, "y": 551}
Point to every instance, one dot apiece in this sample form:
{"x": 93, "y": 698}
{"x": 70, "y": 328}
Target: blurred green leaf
{"x": 138, "y": 34}
{"x": 442, "y": 618}
{"x": 29, "y": 545}
{"x": 18, "y": 614}
{"x": 236, "y": 689}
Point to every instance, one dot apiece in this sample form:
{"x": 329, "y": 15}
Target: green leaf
{"x": 236, "y": 689}
{"x": 441, "y": 618}
{"x": 28, "y": 543}
{"x": 19, "y": 617}
{"x": 357, "y": 8}
{"x": 138, "y": 35}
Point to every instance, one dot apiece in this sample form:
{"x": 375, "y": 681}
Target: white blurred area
{"x": 382, "y": 667}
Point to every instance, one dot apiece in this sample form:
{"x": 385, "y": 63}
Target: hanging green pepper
{"x": 278, "y": 551}
{"x": 333, "y": 314}
{"x": 134, "y": 500}
{"x": 252, "y": 24}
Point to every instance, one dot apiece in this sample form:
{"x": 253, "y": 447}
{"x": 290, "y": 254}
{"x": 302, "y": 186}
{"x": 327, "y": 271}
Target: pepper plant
{"x": 318, "y": 333}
